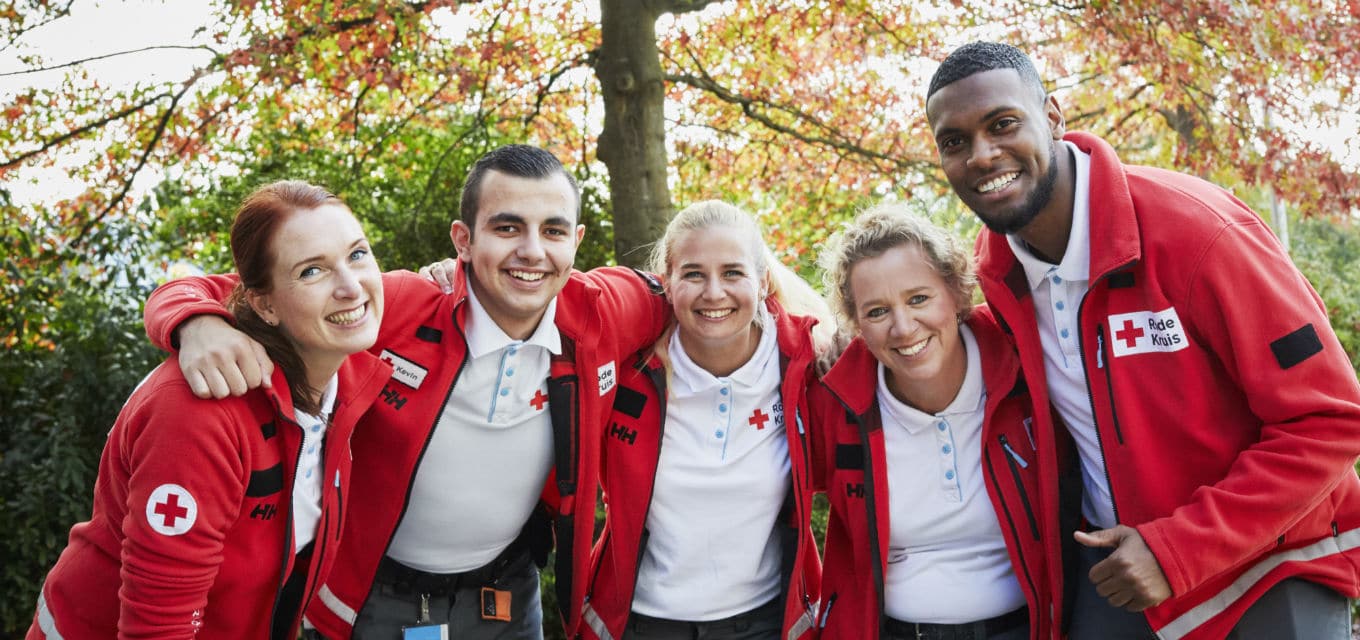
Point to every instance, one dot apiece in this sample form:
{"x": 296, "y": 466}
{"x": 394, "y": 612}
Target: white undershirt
{"x": 491, "y": 451}
{"x": 947, "y": 560}
{"x": 720, "y": 484}
{"x": 1058, "y": 291}
{"x": 307, "y": 482}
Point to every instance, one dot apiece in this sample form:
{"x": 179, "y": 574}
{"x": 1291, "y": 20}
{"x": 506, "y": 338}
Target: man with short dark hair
{"x": 489, "y": 427}
{"x": 1215, "y": 416}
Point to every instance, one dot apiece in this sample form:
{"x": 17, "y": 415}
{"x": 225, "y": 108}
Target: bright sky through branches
{"x": 171, "y": 29}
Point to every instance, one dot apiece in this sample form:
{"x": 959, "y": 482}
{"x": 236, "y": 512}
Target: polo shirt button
{"x": 946, "y": 449}
{"x": 309, "y": 473}
{"x": 1060, "y": 305}
{"x": 316, "y": 428}
{"x": 1057, "y": 280}
{"x": 1064, "y": 333}
{"x": 941, "y": 426}
{"x": 949, "y": 475}
{"x": 723, "y": 391}
{"x": 722, "y": 407}
{"x": 718, "y": 434}
{"x": 505, "y": 392}
{"x": 509, "y": 372}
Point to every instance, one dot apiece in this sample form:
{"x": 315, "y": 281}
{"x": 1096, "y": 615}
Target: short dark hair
{"x": 976, "y": 57}
{"x": 519, "y": 160}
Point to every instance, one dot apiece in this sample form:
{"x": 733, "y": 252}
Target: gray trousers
{"x": 762, "y": 623}
{"x": 388, "y": 609}
{"x": 1291, "y": 610}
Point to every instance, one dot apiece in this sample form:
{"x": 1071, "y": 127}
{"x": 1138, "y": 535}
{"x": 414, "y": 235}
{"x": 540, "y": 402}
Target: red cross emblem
{"x": 758, "y": 419}
{"x": 538, "y": 400}
{"x": 171, "y": 510}
{"x": 1129, "y": 334}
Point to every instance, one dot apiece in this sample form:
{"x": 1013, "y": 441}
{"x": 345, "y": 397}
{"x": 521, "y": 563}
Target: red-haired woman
{"x": 217, "y": 518}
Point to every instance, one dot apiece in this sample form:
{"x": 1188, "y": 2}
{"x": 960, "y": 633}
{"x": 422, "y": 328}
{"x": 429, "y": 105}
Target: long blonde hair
{"x": 794, "y": 294}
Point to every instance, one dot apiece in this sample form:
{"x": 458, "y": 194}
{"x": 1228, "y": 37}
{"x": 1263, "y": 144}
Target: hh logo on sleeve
{"x": 1147, "y": 332}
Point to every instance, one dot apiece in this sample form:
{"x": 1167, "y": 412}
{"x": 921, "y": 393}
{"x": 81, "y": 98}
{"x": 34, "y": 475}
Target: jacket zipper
{"x": 289, "y": 543}
{"x": 1109, "y": 383}
{"x": 1023, "y": 567}
{"x": 1012, "y": 460}
{"x": 659, "y": 383}
{"x": 1090, "y": 399}
{"x": 429, "y": 435}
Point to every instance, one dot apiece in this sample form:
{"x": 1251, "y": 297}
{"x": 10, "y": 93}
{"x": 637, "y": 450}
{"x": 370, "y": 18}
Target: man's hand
{"x": 218, "y": 360}
{"x": 440, "y": 273}
{"x": 1130, "y": 578}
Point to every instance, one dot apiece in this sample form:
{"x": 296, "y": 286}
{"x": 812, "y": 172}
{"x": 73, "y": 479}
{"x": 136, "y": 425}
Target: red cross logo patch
{"x": 171, "y": 510}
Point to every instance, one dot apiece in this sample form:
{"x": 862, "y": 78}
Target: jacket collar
{"x": 853, "y": 377}
{"x": 575, "y": 316}
{"x": 1112, "y": 220}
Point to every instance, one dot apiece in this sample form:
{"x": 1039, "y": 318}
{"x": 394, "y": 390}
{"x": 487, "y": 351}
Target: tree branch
{"x": 10, "y": 163}
{"x": 754, "y": 109}
{"x": 81, "y": 61}
{"x": 141, "y": 162}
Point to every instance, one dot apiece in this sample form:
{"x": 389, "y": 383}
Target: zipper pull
{"x": 798, "y": 420}
{"x": 821, "y": 624}
{"x": 1007, "y": 446}
{"x": 1100, "y": 349}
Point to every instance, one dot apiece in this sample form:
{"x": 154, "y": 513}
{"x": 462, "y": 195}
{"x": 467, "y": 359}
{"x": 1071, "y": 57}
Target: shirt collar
{"x": 485, "y": 336}
{"x": 1076, "y": 262}
{"x": 327, "y": 403}
{"x": 969, "y": 399}
{"x": 692, "y": 378}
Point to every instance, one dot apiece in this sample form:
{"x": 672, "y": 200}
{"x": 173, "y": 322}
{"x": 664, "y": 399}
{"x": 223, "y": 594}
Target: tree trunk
{"x": 633, "y": 143}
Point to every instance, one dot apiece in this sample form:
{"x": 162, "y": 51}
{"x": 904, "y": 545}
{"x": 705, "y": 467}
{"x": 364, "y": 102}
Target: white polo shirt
{"x": 1058, "y": 291}
{"x": 490, "y": 454}
{"x": 307, "y": 482}
{"x": 947, "y": 560}
{"x": 720, "y": 483}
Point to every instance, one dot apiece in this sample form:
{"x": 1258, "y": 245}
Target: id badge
{"x": 426, "y": 632}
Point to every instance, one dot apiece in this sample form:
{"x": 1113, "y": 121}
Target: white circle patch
{"x": 170, "y": 510}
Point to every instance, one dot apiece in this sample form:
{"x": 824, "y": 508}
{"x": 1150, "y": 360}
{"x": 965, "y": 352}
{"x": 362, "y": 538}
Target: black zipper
{"x": 1012, "y": 459}
{"x": 429, "y": 435}
{"x": 659, "y": 383}
{"x": 1090, "y": 398}
{"x": 1103, "y": 363}
{"x": 288, "y": 541}
{"x": 1023, "y": 568}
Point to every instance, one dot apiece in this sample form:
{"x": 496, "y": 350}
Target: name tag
{"x": 403, "y": 370}
{"x": 606, "y": 377}
{"x": 1147, "y": 332}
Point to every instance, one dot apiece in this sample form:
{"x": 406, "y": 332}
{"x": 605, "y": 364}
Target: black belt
{"x": 408, "y": 580}
{"x": 738, "y": 623}
{"x": 980, "y": 630}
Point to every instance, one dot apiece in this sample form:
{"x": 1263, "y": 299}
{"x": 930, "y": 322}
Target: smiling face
{"x": 998, "y": 148}
{"x": 521, "y": 252}
{"x": 908, "y": 318}
{"x": 714, "y": 288}
{"x": 325, "y": 292}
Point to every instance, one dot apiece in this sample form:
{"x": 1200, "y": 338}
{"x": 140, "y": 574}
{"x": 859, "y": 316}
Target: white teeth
{"x": 528, "y": 276}
{"x": 347, "y": 317}
{"x": 914, "y": 349}
{"x": 715, "y": 314}
{"x": 998, "y": 182}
